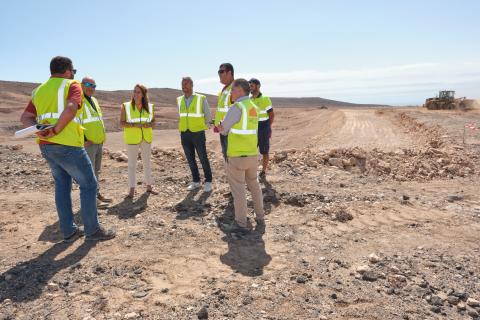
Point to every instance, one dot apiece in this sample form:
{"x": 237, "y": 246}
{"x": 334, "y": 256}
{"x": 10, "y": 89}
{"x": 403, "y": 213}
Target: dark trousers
{"x": 223, "y": 144}
{"x": 196, "y": 141}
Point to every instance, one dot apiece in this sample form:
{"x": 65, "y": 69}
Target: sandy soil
{"x": 371, "y": 215}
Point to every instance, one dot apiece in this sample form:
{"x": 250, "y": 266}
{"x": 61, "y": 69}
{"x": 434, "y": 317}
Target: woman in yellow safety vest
{"x": 137, "y": 120}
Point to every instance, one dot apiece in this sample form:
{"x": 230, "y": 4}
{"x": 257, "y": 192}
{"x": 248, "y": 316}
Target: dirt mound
{"x": 431, "y": 134}
{"x": 402, "y": 165}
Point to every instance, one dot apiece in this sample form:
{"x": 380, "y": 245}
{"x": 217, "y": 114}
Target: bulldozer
{"x": 446, "y": 101}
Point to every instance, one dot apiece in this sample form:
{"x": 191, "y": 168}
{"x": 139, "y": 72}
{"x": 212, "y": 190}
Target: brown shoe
{"x": 102, "y": 234}
{"x": 103, "y": 199}
{"x": 151, "y": 191}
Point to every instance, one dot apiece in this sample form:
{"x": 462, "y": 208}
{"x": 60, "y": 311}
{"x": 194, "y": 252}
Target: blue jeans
{"x": 69, "y": 163}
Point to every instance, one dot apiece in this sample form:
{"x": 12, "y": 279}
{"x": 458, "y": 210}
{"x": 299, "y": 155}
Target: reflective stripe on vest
{"x": 89, "y": 118}
{"x": 56, "y": 115}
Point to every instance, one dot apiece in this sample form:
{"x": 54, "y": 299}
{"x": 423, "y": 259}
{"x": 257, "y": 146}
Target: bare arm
{"x": 67, "y": 115}
{"x": 29, "y": 115}
{"x": 271, "y": 116}
{"x": 28, "y": 119}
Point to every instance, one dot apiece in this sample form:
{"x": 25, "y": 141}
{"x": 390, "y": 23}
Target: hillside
{"x": 16, "y": 94}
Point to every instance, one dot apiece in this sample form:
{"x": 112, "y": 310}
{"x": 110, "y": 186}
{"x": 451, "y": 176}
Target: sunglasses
{"x": 74, "y": 71}
{"x": 89, "y": 85}
{"x": 221, "y": 71}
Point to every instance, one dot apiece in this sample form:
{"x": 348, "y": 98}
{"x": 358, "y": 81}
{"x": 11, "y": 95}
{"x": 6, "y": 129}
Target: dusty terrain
{"x": 372, "y": 214}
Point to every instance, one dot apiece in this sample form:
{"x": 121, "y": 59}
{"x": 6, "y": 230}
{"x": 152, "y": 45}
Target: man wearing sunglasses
{"x": 226, "y": 75}
{"x": 58, "y": 102}
{"x": 94, "y": 129}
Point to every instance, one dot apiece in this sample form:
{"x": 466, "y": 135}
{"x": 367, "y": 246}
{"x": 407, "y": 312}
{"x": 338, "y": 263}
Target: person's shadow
{"x": 189, "y": 207}
{"x": 26, "y": 281}
{"x": 270, "y": 195}
{"x": 128, "y": 208}
{"x": 246, "y": 253}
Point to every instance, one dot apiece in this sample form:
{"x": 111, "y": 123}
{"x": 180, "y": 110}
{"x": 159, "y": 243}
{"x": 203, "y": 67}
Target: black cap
{"x": 254, "y": 81}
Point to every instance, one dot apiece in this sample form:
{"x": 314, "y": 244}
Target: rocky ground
{"x": 351, "y": 233}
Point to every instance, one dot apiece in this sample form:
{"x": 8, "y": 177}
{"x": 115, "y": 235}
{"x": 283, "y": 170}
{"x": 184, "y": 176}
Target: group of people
{"x": 73, "y": 143}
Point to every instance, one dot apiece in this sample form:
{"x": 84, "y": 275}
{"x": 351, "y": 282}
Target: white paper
{"x": 32, "y": 130}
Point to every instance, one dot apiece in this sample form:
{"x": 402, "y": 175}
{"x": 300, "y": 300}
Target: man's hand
{"x": 47, "y": 133}
{"x": 87, "y": 143}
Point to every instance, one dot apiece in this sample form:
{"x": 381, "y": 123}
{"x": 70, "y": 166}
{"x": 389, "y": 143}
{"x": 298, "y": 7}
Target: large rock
{"x": 473, "y": 303}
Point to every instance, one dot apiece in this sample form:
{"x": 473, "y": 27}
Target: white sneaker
{"x": 207, "y": 187}
{"x": 193, "y": 186}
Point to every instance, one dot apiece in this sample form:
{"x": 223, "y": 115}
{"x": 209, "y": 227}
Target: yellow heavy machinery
{"x": 446, "y": 101}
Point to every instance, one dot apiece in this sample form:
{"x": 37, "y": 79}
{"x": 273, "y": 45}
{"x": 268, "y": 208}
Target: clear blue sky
{"x": 361, "y": 51}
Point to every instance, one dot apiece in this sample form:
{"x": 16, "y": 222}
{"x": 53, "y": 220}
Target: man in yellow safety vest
{"x": 226, "y": 75}
{"x": 240, "y": 126}
{"x": 95, "y": 135}
{"x": 194, "y": 119}
{"x": 58, "y": 102}
{"x": 265, "y": 121}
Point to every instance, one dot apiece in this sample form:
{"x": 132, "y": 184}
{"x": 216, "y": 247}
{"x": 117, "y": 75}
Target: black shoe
{"x": 260, "y": 222}
{"x": 262, "y": 174}
{"x": 78, "y": 233}
{"x": 102, "y": 234}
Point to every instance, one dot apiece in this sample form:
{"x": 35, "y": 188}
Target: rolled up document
{"x": 32, "y": 130}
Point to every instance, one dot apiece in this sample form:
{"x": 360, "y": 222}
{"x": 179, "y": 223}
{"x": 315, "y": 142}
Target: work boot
{"x": 102, "y": 234}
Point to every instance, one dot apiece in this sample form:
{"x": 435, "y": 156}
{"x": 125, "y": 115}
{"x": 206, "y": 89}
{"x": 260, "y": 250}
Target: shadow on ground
{"x": 27, "y": 280}
{"x": 129, "y": 208}
{"x": 190, "y": 207}
{"x": 246, "y": 253}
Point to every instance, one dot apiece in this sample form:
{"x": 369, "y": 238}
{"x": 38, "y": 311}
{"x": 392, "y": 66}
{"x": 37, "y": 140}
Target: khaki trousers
{"x": 241, "y": 170}
{"x": 132, "y": 152}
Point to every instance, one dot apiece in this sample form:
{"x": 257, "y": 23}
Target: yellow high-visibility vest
{"x": 49, "y": 100}
{"x": 242, "y": 138}
{"x": 223, "y": 104}
{"x": 93, "y": 122}
{"x": 133, "y": 115}
{"x": 264, "y": 104}
{"x": 191, "y": 118}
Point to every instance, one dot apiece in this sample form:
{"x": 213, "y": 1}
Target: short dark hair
{"x": 242, "y": 83}
{"x": 227, "y": 66}
{"x": 188, "y": 79}
{"x": 60, "y": 64}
